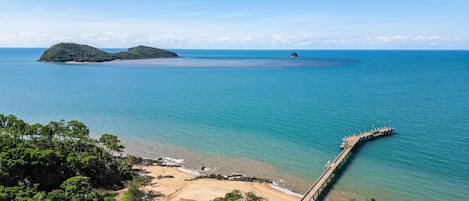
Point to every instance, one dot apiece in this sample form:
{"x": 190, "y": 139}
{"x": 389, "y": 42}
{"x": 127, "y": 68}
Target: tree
{"x": 78, "y": 130}
{"x": 111, "y": 142}
{"x": 250, "y": 196}
{"x": 36, "y": 160}
{"x": 77, "y": 188}
{"x": 133, "y": 192}
{"x": 234, "y": 195}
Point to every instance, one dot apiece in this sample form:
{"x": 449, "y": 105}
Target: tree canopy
{"x": 64, "y": 52}
{"x": 57, "y": 161}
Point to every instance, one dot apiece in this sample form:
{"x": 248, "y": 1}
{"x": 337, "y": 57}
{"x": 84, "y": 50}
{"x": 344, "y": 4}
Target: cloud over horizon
{"x": 206, "y": 24}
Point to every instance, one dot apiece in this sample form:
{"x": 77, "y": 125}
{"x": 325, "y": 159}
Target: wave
{"x": 172, "y": 161}
{"x": 190, "y": 171}
{"x": 287, "y": 191}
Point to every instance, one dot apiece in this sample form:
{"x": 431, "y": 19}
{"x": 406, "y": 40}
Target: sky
{"x": 240, "y": 24}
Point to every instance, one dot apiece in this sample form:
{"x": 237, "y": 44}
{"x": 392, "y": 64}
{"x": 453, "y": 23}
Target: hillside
{"x": 58, "y": 161}
{"x": 64, "y": 52}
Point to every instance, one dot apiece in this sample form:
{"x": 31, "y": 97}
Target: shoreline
{"x": 176, "y": 183}
{"x": 191, "y": 162}
{"x": 196, "y": 162}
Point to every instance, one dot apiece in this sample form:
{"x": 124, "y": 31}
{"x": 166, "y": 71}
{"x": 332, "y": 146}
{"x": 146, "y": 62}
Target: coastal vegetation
{"x": 58, "y": 161}
{"x": 236, "y": 195}
{"x": 67, "y": 52}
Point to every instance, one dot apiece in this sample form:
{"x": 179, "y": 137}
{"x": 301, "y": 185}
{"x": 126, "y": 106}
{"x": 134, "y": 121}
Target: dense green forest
{"x": 64, "y": 52}
{"x": 58, "y": 161}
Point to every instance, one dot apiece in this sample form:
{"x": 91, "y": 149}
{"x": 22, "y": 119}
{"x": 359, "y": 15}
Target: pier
{"x": 349, "y": 143}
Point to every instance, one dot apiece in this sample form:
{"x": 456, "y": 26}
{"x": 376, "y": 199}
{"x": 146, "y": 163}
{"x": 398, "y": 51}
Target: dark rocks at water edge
{"x": 158, "y": 162}
{"x": 169, "y": 162}
{"x": 72, "y": 52}
{"x": 233, "y": 177}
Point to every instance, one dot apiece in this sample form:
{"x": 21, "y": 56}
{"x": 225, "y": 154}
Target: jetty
{"x": 349, "y": 143}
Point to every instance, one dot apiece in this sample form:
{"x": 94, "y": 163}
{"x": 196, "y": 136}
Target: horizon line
{"x": 290, "y": 49}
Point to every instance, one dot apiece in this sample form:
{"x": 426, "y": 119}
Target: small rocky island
{"x": 294, "y": 55}
{"x": 72, "y": 52}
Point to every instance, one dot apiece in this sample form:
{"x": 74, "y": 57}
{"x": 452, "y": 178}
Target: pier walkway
{"x": 348, "y": 144}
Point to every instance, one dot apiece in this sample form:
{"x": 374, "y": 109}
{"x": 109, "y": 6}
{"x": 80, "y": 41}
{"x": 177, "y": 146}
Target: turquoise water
{"x": 262, "y": 105}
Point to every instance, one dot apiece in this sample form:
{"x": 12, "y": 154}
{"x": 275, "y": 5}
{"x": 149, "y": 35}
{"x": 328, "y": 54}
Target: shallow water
{"x": 283, "y": 116}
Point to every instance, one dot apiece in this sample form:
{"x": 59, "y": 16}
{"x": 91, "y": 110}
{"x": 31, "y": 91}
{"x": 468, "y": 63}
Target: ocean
{"x": 262, "y": 113}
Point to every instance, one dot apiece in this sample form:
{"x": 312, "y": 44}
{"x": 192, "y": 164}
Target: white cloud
{"x": 387, "y": 39}
{"x": 225, "y": 39}
{"x": 419, "y": 38}
{"x": 293, "y": 40}
{"x": 197, "y": 38}
{"x": 165, "y": 39}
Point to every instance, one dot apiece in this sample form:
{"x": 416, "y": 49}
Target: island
{"x": 294, "y": 55}
{"x": 72, "y": 52}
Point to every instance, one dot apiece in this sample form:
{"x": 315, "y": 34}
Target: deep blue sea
{"x": 262, "y": 106}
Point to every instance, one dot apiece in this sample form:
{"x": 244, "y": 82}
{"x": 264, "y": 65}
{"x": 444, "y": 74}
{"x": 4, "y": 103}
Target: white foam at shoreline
{"x": 172, "y": 161}
{"x": 190, "y": 171}
{"x": 284, "y": 190}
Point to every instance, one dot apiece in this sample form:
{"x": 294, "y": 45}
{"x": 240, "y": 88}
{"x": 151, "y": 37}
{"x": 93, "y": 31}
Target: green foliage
{"x": 74, "y": 52}
{"x": 134, "y": 193}
{"x": 250, "y": 196}
{"x": 236, "y": 195}
{"x": 130, "y": 159}
{"x": 56, "y": 196}
{"x": 77, "y": 188}
{"x": 111, "y": 142}
{"x": 63, "y": 52}
{"x": 36, "y": 159}
{"x": 144, "y": 52}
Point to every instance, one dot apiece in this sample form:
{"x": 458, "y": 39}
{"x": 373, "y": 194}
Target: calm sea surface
{"x": 260, "y": 110}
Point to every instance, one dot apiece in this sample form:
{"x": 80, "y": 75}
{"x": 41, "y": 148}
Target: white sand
{"x": 178, "y": 188}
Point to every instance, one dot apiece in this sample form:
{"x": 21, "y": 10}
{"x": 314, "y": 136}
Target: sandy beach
{"x": 180, "y": 188}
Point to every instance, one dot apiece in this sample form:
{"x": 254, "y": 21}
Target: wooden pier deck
{"x": 348, "y": 144}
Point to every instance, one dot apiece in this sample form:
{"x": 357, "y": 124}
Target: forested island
{"x": 72, "y": 52}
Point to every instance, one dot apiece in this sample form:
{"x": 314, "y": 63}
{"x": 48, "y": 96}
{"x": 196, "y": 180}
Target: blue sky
{"x": 241, "y": 24}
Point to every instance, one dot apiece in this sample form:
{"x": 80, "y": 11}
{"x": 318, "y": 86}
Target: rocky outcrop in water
{"x": 294, "y": 55}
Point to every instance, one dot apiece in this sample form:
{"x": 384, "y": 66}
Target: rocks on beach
{"x": 169, "y": 162}
{"x": 233, "y": 177}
